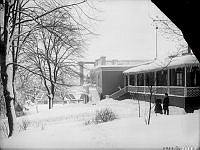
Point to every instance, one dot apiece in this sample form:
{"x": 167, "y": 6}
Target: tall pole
{"x": 156, "y": 42}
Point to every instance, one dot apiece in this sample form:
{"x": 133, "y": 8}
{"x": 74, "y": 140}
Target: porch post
{"x": 185, "y": 88}
{"x": 168, "y": 81}
{"x": 128, "y": 79}
{"x": 135, "y": 79}
{"x": 155, "y": 82}
{"x": 144, "y": 82}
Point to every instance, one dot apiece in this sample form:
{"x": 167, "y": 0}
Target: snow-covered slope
{"x": 64, "y": 127}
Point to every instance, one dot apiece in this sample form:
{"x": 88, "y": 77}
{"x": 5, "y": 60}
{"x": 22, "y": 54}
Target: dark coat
{"x": 158, "y": 107}
{"x": 166, "y": 103}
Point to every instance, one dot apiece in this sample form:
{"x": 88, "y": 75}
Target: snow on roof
{"x": 119, "y": 66}
{"x": 186, "y": 60}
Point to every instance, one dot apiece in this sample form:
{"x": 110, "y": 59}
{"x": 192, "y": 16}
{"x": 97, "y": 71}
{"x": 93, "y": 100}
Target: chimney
{"x": 103, "y": 60}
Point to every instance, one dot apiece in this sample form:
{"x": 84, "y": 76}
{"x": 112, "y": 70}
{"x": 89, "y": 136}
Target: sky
{"x": 126, "y": 31}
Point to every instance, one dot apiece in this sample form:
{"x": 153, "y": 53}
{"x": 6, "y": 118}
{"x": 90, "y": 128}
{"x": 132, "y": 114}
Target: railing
{"x": 179, "y": 91}
{"x": 193, "y": 91}
{"x": 119, "y": 93}
{"x": 171, "y": 90}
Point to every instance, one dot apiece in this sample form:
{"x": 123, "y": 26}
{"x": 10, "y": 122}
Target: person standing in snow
{"x": 166, "y": 104}
{"x": 158, "y": 106}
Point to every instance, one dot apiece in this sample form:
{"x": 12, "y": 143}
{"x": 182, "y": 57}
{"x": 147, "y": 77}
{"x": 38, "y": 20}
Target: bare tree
{"x": 151, "y": 80}
{"x": 54, "y": 50}
{"x": 14, "y": 15}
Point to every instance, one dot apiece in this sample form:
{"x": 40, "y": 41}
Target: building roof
{"x": 181, "y": 61}
{"x": 116, "y": 67}
{"x": 113, "y": 67}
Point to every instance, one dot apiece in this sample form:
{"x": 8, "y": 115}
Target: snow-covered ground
{"x": 64, "y": 127}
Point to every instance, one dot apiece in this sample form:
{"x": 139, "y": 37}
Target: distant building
{"x": 109, "y": 79}
{"x": 102, "y": 61}
{"x": 109, "y": 74}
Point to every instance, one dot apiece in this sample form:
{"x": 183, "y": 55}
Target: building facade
{"x": 109, "y": 74}
{"x": 179, "y": 77}
{"x": 109, "y": 79}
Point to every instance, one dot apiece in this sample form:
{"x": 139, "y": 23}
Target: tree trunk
{"x": 50, "y": 100}
{"x": 10, "y": 113}
{"x": 149, "y": 118}
{"x": 151, "y": 92}
{"x": 6, "y": 70}
{"x": 13, "y": 72}
{"x": 6, "y": 76}
{"x": 139, "y": 107}
{"x": 52, "y": 92}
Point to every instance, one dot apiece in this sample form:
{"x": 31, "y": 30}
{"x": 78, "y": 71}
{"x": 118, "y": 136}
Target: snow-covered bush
{"x": 103, "y": 115}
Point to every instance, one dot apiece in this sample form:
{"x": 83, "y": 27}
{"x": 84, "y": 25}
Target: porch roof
{"x": 181, "y": 61}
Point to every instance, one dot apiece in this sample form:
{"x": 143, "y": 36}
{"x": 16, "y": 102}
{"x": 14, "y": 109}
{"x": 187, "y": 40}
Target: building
{"x": 109, "y": 79}
{"x": 179, "y": 77}
{"x": 102, "y": 61}
{"x": 109, "y": 74}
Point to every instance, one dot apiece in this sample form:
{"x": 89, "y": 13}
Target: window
{"x": 126, "y": 80}
{"x": 140, "y": 79}
{"x": 192, "y": 76}
{"x": 180, "y": 81}
{"x": 161, "y": 78}
{"x": 179, "y": 78}
{"x": 149, "y": 78}
{"x": 132, "y": 80}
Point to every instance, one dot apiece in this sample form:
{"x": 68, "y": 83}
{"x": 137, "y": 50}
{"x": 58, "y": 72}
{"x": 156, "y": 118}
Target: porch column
{"x": 135, "y": 79}
{"x": 168, "y": 80}
{"x": 155, "y": 82}
{"x": 185, "y": 88}
{"x": 144, "y": 83}
{"x": 128, "y": 79}
{"x": 185, "y": 76}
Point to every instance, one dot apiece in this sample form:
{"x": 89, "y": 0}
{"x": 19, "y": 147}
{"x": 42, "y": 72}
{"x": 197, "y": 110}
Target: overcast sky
{"x": 127, "y": 31}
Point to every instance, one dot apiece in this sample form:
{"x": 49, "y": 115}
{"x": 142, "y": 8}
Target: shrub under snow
{"x": 103, "y": 115}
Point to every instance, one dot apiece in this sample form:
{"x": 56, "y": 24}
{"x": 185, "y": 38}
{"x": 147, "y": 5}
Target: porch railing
{"x": 171, "y": 90}
{"x": 193, "y": 91}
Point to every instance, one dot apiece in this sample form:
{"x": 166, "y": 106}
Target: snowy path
{"x": 94, "y": 95}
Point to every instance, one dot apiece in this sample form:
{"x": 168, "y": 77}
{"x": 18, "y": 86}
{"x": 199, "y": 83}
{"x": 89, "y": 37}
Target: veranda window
{"x": 161, "y": 78}
{"x": 140, "y": 79}
{"x": 193, "y": 76}
{"x": 150, "y": 79}
{"x": 126, "y": 80}
{"x": 177, "y": 77}
{"x": 132, "y": 79}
